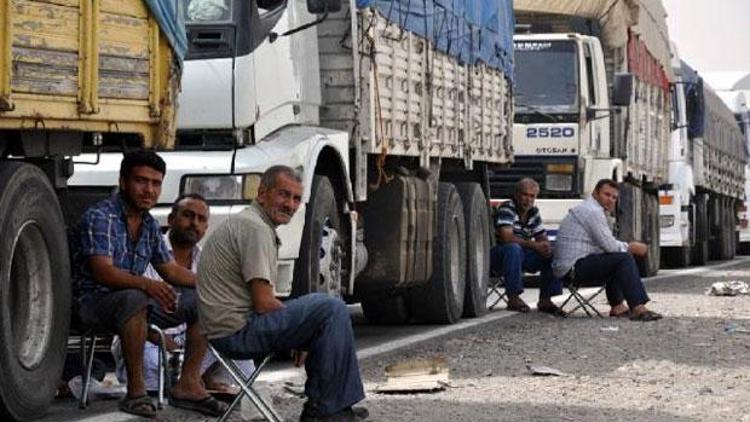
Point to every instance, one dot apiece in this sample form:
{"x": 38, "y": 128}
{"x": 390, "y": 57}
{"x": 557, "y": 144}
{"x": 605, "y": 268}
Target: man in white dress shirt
{"x": 587, "y": 251}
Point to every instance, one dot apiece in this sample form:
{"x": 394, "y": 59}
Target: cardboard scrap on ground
{"x": 415, "y": 376}
{"x": 728, "y": 288}
{"x": 544, "y": 370}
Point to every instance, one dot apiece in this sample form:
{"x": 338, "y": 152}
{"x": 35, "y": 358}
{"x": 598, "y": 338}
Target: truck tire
{"x": 35, "y": 291}
{"x": 700, "y": 248}
{"x": 731, "y": 229}
{"x": 477, "y": 215}
{"x": 650, "y": 265}
{"x": 319, "y": 267}
{"x": 385, "y": 309}
{"x": 441, "y": 300}
{"x": 724, "y": 233}
{"x": 676, "y": 257}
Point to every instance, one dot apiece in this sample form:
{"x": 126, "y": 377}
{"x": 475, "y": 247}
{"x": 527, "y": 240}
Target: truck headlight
{"x": 560, "y": 182}
{"x": 666, "y": 221}
{"x": 229, "y": 187}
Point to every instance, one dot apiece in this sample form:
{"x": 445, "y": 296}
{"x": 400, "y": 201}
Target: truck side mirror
{"x": 317, "y": 7}
{"x": 622, "y": 89}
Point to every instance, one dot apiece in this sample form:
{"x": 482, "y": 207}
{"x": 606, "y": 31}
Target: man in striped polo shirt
{"x": 523, "y": 246}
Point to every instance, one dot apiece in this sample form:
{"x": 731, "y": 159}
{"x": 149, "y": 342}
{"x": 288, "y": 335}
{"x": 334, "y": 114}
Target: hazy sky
{"x": 711, "y": 35}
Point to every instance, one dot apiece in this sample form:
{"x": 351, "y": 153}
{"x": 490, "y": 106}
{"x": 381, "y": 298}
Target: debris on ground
{"x": 295, "y": 389}
{"x": 732, "y": 328}
{"x": 542, "y": 370}
{"x": 107, "y": 389}
{"x": 415, "y": 375}
{"x": 728, "y": 288}
{"x": 610, "y": 328}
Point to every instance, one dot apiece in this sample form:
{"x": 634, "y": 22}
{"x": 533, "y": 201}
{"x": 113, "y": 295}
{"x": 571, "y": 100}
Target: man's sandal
{"x": 208, "y": 406}
{"x": 140, "y": 406}
{"x": 646, "y": 316}
{"x": 552, "y": 310}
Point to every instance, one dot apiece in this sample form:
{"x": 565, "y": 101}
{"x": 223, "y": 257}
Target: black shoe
{"x": 311, "y": 413}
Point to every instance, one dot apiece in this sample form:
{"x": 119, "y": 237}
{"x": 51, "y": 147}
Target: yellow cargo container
{"x": 86, "y": 65}
{"x": 73, "y": 73}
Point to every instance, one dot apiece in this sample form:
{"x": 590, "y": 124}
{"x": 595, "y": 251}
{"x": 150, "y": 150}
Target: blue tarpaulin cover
{"x": 171, "y": 22}
{"x": 470, "y": 30}
{"x": 696, "y": 107}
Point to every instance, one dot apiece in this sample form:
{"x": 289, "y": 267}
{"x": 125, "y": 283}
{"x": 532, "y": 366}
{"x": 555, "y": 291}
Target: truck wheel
{"x": 34, "y": 292}
{"x": 385, "y": 309}
{"x": 477, "y": 215}
{"x": 676, "y": 257}
{"x": 744, "y": 248}
{"x": 731, "y": 229}
{"x": 724, "y": 232}
{"x": 441, "y": 300}
{"x": 650, "y": 265}
{"x": 700, "y": 249}
{"x": 319, "y": 267}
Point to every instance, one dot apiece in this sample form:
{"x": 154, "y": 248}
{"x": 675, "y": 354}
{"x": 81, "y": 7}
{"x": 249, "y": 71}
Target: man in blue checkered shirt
{"x": 117, "y": 239}
{"x": 523, "y": 246}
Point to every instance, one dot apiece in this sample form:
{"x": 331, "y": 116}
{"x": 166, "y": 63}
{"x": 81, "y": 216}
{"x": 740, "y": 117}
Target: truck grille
{"x": 503, "y": 179}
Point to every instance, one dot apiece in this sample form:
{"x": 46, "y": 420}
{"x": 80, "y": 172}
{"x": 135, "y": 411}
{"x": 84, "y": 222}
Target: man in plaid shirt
{"x": 117, "y": 239}
{"x": 587, "y": 251}
{"x": 523, "y": 246}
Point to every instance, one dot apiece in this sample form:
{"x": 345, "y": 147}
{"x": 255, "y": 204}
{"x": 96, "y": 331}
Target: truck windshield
{"x": 546, "y": 76}
{"x": 207, "y": 11}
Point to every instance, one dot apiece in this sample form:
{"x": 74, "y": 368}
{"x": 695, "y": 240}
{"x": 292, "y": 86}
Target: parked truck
{"x": 71, "y": 74}
{"x": 592, "y": 102}
{"x": 734, "y": 89}
{"x": 391, "y": 109}
{"x": 707, "y": 162}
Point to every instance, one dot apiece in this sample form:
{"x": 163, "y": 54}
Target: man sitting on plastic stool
{"x": 242, "y": 317}
{"x": 188, "y": 222}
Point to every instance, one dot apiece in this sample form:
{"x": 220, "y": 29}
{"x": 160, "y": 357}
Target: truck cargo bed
{"x": 415, "y": 100}
{"x": 101, "y": 66}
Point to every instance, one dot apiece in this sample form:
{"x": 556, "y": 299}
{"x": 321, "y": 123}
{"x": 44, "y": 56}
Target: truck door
{"x": 595, "y": 87}
{"x": 206, "y": 97}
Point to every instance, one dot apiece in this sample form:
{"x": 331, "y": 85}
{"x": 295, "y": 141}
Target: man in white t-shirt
{"x": 188, "y": 222}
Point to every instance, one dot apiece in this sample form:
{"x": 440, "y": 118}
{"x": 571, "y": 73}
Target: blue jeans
{"x": 316, "y": 323}
{"x": 618, "y": 271}
{"x": 510, "y": 259}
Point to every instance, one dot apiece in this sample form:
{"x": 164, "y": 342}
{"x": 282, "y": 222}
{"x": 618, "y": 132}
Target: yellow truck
{"x": 73, "y": 73}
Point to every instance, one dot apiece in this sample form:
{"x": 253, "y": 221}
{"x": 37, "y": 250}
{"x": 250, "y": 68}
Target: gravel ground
{"x": 690, "y": 366}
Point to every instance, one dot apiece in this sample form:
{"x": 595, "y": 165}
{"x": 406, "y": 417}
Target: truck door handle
{"x": 208, "y": 39}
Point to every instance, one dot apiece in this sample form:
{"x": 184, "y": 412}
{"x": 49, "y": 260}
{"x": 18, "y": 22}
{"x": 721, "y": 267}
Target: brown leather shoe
{"x": 517, "y": 304}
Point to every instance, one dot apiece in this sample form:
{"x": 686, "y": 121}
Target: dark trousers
{"x": 619, "y": 272}
{"x": 316, "y": 323}
{"x": 510, "y": 260}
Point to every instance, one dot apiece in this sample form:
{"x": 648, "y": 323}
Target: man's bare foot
{"x": 185, "y": 389}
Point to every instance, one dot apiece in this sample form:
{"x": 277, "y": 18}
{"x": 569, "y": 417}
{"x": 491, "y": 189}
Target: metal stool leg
{"x": 496, "y": 284}
{"x": 164, "y": 377}
{"x": 246, "y": 384}
{"x": 88, "y": 359}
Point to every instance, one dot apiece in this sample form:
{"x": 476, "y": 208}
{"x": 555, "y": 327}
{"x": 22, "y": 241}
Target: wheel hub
{"x": 331, "y": 258}
{"x": 31, "y": 296}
